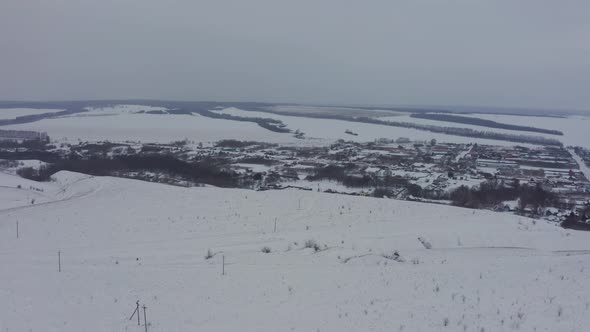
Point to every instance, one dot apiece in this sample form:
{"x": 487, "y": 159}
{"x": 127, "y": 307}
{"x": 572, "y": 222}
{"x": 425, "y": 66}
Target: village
{"x": 427, "y": 171}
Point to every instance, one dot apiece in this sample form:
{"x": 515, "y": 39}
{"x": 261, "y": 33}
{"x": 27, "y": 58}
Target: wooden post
{"x": 144, "y": 318}
{"x": 136, "y": 311}
{"x": 59, "y": 261}
{"x": 223, "y": 265}
{"x": 17, "y": 229}
{"x": 275, "y": 225}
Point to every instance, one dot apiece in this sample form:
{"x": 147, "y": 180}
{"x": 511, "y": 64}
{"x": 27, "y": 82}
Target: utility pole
{"x": 17, "y": 229}
{"x": 144, "y": 318}
{"x": 59, "y": 261}
{"x": 223, "y": 265}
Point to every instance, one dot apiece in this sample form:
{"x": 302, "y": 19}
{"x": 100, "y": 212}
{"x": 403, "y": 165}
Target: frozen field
{"x": 124, "y": 240}
{"x": 574, "y": 127}
{"x": 408, "y": 118}
{"x": 328, "y": 129}
{"x": 122, "y": 124}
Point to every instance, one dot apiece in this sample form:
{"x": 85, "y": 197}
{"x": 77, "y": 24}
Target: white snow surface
{"x": 124, "y": 240}
{"x": 331, "y": 130}
{"x": 123, "y": 123}
{"x": 531, "y": 121}
{"x": 119, "y": 126}
{"x": 574, "y": 127}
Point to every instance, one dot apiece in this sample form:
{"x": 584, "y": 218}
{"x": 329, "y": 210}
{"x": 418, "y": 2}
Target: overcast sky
{"x": 521, "y": 53}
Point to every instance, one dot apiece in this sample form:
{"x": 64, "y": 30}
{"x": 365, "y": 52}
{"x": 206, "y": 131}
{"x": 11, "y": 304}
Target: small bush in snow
{"x": 395, "y": 256}
{"x": 209, "y": 254}
{"x": 266, "y": 250}
{"x": 425, "y": 243}
{"x": 312, "y": 244}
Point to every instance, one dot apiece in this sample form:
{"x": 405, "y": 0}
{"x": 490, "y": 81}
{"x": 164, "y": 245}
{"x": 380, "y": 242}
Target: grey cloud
{"x": 528, "y": 53}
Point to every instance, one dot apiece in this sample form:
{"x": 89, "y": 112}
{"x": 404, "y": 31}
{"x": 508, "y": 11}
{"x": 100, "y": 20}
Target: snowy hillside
{"x": 122, "y": 240}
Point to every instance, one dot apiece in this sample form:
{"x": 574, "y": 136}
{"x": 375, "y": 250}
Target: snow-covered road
{"x": 583, "y": 167}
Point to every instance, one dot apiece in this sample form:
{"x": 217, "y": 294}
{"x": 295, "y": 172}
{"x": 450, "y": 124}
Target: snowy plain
{"x": 123, "y": 123}
{"x": 331, "y": 130}
{"x": 120, "y": 125}
{"x": 123, "y": 240}
{"x": 574, "y": 127}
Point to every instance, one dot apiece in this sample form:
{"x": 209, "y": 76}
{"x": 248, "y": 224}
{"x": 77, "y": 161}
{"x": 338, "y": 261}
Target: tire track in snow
{"x": 62, "y": 190}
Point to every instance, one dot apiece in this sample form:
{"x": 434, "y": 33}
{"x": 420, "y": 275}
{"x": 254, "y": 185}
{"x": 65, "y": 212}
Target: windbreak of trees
{"x": 482, "y": 123}
{"x": 340, "y": 174}
{"x": 37, "y": 117}
{"x": 266, "y": 123}
{"x": 493, "y": 192}
{"x": 412, "y": 189}
{"x": 467, "y": 132}
{"x": 204, "y": 171}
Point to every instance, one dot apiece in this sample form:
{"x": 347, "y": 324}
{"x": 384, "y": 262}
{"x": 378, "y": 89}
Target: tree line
{"x": 203, "y": 171}
{"x": 493, "y": 192}
{"x": 482, "y": 123}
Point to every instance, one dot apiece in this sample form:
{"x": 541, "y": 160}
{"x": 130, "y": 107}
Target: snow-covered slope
{"x": 17, "y": 192}
{"x": 123, "y": 240}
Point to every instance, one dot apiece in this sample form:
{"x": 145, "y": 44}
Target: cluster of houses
{"x": 553, "y": 168}
{"x": 423, "y": 169}
{"x": 438, "y": 168}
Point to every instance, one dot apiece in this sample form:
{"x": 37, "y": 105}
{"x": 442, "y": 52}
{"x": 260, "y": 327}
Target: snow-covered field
{"x": 123, "y": 240}
{"x": 124, "y": 125}
{"x": 11, "y": 113}
{"x": 331, "y": 130}
{"x": 574, "y": 127}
